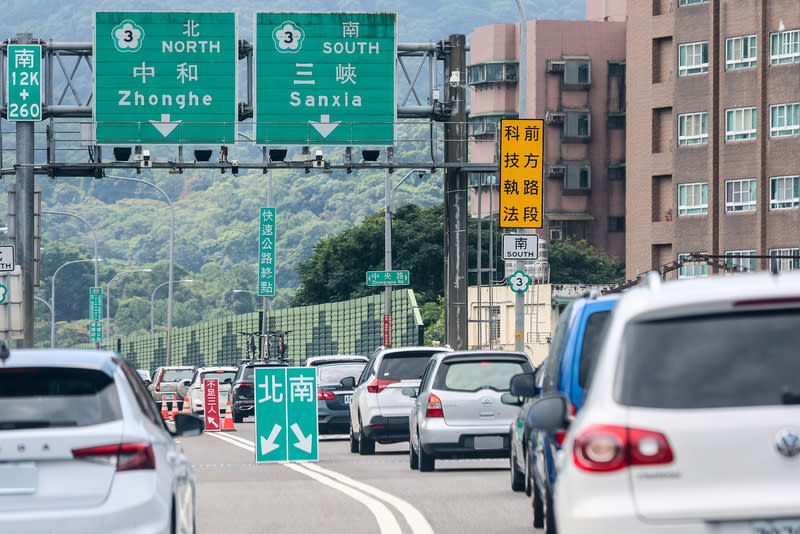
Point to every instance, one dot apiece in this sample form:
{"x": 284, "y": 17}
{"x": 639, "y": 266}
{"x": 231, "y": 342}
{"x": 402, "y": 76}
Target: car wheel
{"x": 528, "y": 475}
{"x": 366, "y": 446}
{"x": 517, "y": 476}
{"x": 427, "y": 462}
{"x": 549, "y": 516}
{"x": 538, "y": 507}
{"x": 413, "y": 457}
{"x": 353, "y": 441}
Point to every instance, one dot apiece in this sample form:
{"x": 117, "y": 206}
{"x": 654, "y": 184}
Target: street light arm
{"x": 108, "y": 296}
{"x": 53, "y": 297}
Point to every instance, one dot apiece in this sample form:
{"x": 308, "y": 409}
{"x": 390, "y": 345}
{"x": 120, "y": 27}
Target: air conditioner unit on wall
{"x": 556, "y": 65}
{"x": 554, "y": 117}
{"x": 555, "y": 171}
{"x": 555, "y": 234}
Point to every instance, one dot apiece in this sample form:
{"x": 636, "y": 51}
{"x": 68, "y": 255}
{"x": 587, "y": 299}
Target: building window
{"x": 616, "y": 224}
{"x": 693, "y": 58}
{"x": 494, "y": 72}
{"x": 693, "y": 129}
{"x": 577, "y": 124}
{"x": 784, "y": 259}
{"x": 740, "y": 124}
{"x": 785, "y": 47}
{"x": 740, "y": 195}
{"x": 784, "y": 120}
{"x": 616, "y": 121}
{"x": 690, "y": 2}
{"x": 616, "y": 172}
{"x": 485, "y": 126}
{"x": 482, "y": 179}
{"x": 741, "y": 52}
{"x": 691, "y": 269}
{"x": 494, "y": 323}
{"x": 577, "y": 176}
{"x": 577, "y": 72}
{"x": 783, "y": 193}
{"x": 741, "y": 260}
{"x": 693, "y": 199}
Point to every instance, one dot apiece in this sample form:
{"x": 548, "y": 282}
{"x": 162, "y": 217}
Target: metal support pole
{"x": 265, "y": 158}
{"x": 519, "y": 304}
{"x": 455, "y": 197}
{"x": 387, "y": 237}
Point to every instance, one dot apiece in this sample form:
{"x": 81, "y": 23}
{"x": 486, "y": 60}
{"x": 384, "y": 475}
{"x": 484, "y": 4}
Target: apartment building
{"x": 576, "y": 81}
{"x": 713, "y": 135}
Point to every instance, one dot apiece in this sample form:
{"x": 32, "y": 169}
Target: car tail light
{"x": 243, "y": 385}
{"x": 324, "y": 394}
{"x": 434, "y": 407}
{"x": 125, "y": 456}
{"x": 604, "y": 448}
{"x": 379, "y": 384}
{"x": 563, "y": 434}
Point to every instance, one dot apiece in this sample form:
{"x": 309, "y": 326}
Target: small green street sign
{"x": 266, "y": 253}
{"x": 325, "y": 78}
{"x": 3, "y": 293}
{"x": 96, "y": 303}
{"x": 165, "y": 77}
{"x": 387, "y": 278}
{"x": 519, "y": 282}
{"x": 24, "y": 82}
{"x": 286, "y": 414}
{"x": 95, "y": 331}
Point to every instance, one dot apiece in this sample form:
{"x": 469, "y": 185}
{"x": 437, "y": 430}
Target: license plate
{"x": 783, "y": 526}
{"x": 17, "y": 478}
{"x": 167, "y": 396}
{"x": 347, "y": 399}
{"x": 488, "y": 442}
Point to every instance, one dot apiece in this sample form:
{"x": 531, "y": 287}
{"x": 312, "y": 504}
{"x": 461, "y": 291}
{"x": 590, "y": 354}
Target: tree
{"x": 578, "y": 262}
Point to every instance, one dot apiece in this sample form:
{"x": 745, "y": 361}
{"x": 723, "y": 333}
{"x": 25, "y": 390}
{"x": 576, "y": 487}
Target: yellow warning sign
{"x": 521, "y": 164}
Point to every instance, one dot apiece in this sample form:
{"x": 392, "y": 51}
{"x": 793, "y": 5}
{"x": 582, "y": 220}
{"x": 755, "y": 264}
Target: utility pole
{"x": 455, "y": 196}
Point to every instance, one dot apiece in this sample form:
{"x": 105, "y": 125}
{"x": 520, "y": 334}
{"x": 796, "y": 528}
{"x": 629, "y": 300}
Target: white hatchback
{"x": 692, "y": 419}
{"x": 83, "y": 448}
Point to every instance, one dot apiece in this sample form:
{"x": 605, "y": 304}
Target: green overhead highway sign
{"x": 286, "y": 414}
{"x": 325, "y": 78}
{"x": 165, "y": 77}
{"x": 24, "y": 82}
{"x": 387, "y": 278}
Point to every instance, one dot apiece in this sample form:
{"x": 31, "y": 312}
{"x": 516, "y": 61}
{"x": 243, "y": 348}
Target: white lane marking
{"x": 415, "y": 519}
{"x": 386, "y": 521}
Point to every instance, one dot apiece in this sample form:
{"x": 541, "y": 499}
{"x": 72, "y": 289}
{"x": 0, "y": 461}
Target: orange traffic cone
{"x": 228, "y": 423}
{"x": 187, "y": 405}
{"x": 164, "y": 413}
{"x": 174, "y": 409}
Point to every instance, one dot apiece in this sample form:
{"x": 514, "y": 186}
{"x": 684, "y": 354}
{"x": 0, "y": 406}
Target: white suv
{"x": 692, "y": 419}
{"x": 378, "y": 410}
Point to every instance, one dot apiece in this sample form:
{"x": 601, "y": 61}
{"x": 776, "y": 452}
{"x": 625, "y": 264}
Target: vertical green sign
{"x": 96, "y": 303}
{"x": 24, "y": 83}
{"x": 325, "y": 78}
{"x": 266, "y": 253}
{"x": 165, "y": 77}
{"x": 95, "y": 331}
{"x": 286, "y": 414}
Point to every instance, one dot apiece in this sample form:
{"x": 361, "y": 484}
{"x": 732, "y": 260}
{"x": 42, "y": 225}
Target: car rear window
{"x": 592, "y": 340}
{"x": 473, "y": 376}
{"x": 44, "y": 397}
{"x": 176, "y": 375}
{"x": 724, "y": 360}
{"x": 219, "y": 375}
{"x": 333, "y": 374}
{"x": 404, "y": 366}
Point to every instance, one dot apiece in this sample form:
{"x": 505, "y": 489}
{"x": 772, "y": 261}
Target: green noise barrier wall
{"x": 349, "y": 327}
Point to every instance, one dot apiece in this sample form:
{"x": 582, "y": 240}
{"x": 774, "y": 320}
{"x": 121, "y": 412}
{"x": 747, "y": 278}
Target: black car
{"x": 242, "y": 388}
{"x": 333, "y": 399}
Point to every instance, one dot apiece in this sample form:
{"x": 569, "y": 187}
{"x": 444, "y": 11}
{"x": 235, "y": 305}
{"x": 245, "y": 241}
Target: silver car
{"x": 83, "y": 448}
{"x": 458, "y": 409}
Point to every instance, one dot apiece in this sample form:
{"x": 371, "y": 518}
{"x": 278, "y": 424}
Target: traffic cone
{"x": 228, "y": 423}
{"x": 187, "y": 405}
{"x": 164, "y": 413}
{"x": 174, "y": 409}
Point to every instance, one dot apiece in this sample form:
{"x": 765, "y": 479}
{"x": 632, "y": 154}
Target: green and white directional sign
{"x": 387, "y": 278}
{"x": 286, "y": 414}
{"x": 96, "y": 303}
{"x": 95, "y": 331}
{"x": 165, "y": 77}
{"x": 24, "y": 82}
{"x": 266, "y": 253}
{"x": 325, "y": 78}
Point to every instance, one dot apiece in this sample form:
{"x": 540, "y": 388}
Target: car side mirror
{"x": 187, "y": 425}
{"x": 522, "y": 385}
{"x": 511, "y": 399}
{"x": 348, "y": 382}
{"x": 409, "y": 391}
{"x": 227, "y": 381}
{"x": 548, "y": 413}
{"x": 186, "y": 382}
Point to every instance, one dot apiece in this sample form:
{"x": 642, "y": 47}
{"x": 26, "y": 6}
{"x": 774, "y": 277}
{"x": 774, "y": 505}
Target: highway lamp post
{"x": 108, "y": 296}
{"x": 50, "y": 308}
{"x": 53, "y": 297}
{"x": 94, "y": 236}
{"x": 519, "y": 304}
{"x": 388, "y": 211}
{"x": 171, "y": 254}
{"x": 153, "y": 297}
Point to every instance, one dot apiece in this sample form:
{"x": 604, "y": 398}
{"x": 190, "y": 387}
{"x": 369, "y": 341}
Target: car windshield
{"x": 473, "y": 376}
{"x": 176, "y": 375}
{"x": 333, "y": 374}
{"x": 219, "y": 375}
{"x": 592, "y": 341}
{"x": 404, "y": 366}
{"x": 42, "y": 397}
{"x": 724, "y": 360}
